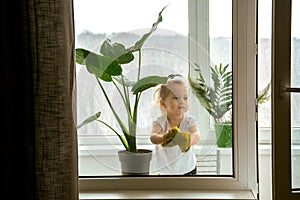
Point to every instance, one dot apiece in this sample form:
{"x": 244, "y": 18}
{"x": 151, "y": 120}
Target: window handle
{"x": 292, "y": 89}
{"x": 284, "y": 90}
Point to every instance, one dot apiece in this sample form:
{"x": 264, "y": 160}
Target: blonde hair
{"x": 164, "y": 90}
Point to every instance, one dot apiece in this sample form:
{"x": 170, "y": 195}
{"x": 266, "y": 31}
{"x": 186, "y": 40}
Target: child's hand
{"x": 169, "y": 136}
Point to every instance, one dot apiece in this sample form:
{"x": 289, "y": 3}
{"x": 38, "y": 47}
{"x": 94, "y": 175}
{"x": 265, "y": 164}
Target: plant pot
{"x": 135, "y": 164}
{"x": 224, "y": 135}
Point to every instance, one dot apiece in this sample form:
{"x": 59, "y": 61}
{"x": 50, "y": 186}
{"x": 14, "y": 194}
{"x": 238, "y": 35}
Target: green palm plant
{"x": 264, "y": 95}
{"x": 217, "y": 100}
{"x": 107, "y": 67}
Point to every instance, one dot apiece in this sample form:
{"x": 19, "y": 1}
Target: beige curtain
{"x": 39, "y": 102}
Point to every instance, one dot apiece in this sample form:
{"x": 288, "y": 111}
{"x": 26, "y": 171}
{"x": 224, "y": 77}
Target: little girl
{"x": 172, "y": 98}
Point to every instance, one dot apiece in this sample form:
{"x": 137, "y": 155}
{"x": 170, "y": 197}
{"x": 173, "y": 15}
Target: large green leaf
{"x": 102, "y": 67}
{"x": 116, "y": 51}
{"x": 81, "y": 55}
{"x": 148, "y": 82}
{"x": 89, "y": 120}
{"x": 138, "y": 45}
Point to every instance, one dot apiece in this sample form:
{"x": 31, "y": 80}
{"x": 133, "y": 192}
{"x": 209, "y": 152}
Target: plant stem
{"x": 120, "y": 122}
{"x": 124, "y": 142}
{"x": 140, "y": 63}
{"x": 125, "y": 99}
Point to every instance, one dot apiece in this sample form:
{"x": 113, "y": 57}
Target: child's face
{"x": 176, "y": 103}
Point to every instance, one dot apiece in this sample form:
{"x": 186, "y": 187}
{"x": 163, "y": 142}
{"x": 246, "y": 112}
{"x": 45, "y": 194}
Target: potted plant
{"x": 217, "y": 99}
{"x": 107, "y": 67}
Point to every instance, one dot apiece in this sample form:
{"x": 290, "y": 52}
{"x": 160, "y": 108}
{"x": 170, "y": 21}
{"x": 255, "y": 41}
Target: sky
{"x": 107, "y": 16}
{"x": 121, "y": 15}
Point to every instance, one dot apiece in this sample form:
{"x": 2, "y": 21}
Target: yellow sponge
{"x": 183, "y": 140}
{"x": 169, "y": 136}
{"x": 175, "y": 137}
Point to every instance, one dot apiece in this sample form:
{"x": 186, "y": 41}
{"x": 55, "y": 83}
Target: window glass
{"x": 264, "y": 101}
{"x": 264, "y": 106}
{"x": 165, "y": 52}
{"x": 295, "y": 97}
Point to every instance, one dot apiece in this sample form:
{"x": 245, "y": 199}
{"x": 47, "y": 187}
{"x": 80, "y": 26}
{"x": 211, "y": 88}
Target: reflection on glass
{"x": 295, "y": 97}
{"x": 165, "y": 52}
{"x": 213, "y": 72}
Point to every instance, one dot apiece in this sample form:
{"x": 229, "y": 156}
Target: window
{"x": 285, "y": 117}
{"x": 167, "y": 49}
{"x": 202, "y": 44}
{"x": 295, "y": 97}
{"x": 264, "y": 110}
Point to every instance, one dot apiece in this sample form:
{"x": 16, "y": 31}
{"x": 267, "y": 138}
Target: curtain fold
{"x": 51, "y": 34}
{"x": 39, "y": 75}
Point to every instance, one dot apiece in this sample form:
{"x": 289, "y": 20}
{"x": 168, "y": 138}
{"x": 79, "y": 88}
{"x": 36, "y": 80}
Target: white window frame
{"x": 245, "y": 163}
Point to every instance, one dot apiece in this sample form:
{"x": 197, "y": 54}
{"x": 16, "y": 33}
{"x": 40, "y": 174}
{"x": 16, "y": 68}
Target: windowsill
{"x": 167, "y": 194}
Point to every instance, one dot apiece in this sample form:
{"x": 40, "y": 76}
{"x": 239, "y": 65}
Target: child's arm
{"x": 156, "y": 136}
{"x": 195, "y": 137}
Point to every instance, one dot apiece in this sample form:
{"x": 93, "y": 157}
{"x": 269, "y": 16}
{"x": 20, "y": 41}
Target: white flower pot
{"x": 135, "y": 164}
